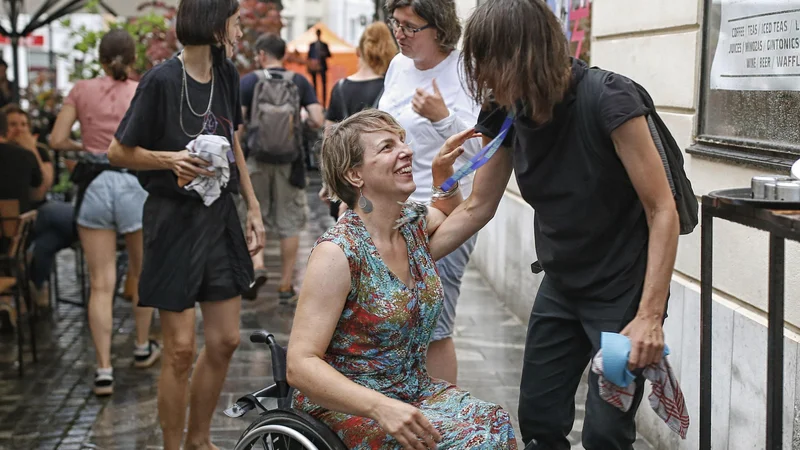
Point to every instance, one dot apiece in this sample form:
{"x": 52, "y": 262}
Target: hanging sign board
{"x": 758, "y": 47}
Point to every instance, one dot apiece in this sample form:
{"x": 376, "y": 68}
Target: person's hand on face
{"x": 430, "y": 105}
{"x": 24, "y": 138}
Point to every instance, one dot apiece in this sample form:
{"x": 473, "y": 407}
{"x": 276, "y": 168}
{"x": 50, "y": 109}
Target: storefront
{"x": 725, "y": 76}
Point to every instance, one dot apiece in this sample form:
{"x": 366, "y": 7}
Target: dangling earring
{"x": 364, "y": 203}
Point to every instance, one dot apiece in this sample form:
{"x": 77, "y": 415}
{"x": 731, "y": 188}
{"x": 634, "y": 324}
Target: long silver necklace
{"x": 185, "y": 95}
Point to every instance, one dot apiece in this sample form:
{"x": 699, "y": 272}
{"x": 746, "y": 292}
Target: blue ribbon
{"x": 482, "y": 157}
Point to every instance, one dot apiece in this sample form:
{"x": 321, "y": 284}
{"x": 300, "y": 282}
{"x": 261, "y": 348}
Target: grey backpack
{"x": 274, "y": 131}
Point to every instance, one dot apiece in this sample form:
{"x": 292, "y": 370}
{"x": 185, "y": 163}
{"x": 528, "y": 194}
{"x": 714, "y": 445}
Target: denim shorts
{"x": 113, "y": 201}
{"x": 451, "y": 269}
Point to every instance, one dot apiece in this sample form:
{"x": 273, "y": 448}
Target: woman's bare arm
{"x": 478, "y": 209}
{"x": 442, "y": 169}
{"x": 319, "y": 308}
{"x": 322, "y": 300}
{"x": 60, "y": 136}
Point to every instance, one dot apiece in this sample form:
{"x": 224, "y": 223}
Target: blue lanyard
{"x": 483, "y": 156}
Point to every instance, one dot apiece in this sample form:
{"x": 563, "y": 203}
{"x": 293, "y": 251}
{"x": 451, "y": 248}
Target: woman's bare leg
{"x": 142, "y": 316}
{"x": 173, "y": 384}
{"x": 100, "y": 251}
{"x": 221, "y": 328}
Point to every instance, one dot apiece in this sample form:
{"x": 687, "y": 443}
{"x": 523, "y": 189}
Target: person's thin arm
{"x": 316, "y": 118}
{"x": 319, "y": 308}
{"x": 138, "y": 158}
{"x": 641, "y": 160}
{"x": 479, "y": 208}
{"x": 48, "y": 173}
{"x": 441, "y": 170}
{"x": 60, "y": 139}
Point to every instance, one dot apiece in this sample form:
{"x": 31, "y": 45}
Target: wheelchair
{"x": 281, "y": 428}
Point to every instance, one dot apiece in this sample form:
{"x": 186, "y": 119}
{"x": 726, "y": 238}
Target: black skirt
{"x": 192, "y": 253}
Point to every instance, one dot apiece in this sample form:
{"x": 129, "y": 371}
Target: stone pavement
{"x": 53, "y": 407}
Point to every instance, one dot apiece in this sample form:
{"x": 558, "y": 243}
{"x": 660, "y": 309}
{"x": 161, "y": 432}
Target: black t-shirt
{"x": 152, "y": 121}
{"x": 248, "y": 86}
{"x": 19, "y": 174}
{"x": 350, "y": 97}
{"x": 590, "y": 228}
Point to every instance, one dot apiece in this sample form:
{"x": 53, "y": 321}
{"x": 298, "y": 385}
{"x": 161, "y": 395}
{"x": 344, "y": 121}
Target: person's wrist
{"x": 441, "y": 117}
{"x": 441, "y": 175}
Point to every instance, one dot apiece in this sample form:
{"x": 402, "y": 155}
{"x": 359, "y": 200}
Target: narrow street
{"x": 53, "y": 407}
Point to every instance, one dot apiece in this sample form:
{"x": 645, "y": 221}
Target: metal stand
{"x": 781, "y": 225}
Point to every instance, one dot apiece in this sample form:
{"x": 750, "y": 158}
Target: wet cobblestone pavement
{"x": 52, "y": 406}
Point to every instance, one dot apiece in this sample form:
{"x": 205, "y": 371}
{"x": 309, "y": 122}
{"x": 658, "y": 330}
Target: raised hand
{"x": 430, "y": 105}
{"x": 442, "y": 166}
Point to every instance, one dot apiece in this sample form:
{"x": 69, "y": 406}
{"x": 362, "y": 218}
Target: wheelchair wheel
{"x": 282, "y": 429}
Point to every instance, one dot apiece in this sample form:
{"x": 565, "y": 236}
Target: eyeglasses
{"x": 407, "y": 31}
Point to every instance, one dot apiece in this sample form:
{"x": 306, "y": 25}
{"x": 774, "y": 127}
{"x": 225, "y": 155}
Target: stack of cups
{"x": 781, "y": 188}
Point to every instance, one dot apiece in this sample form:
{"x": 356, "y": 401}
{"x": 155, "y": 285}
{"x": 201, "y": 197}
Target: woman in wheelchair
{"x": 370, "y": 301}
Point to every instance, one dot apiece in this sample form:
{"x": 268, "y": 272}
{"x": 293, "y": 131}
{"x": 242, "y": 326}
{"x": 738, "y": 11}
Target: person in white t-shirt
{"x": 425, "y": 93}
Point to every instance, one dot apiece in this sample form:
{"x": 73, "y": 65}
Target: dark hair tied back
{"x": 118, "y": 53}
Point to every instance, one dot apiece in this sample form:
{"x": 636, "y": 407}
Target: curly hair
{"x": 377, "y": 47}
{"x": 441, "y": 14}
{"x": 516, "y": 50}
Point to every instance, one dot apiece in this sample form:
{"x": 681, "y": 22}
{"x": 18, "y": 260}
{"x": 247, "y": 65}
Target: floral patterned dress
{"x": 381, "y": 342}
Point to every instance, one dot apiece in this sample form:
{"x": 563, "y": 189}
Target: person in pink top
{"x": 110, "y": 200}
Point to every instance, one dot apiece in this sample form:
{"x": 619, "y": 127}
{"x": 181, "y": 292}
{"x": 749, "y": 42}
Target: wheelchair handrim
{"x": 250, "y": 437}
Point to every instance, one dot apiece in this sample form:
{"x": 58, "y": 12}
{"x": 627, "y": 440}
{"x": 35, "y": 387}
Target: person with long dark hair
{"x": 193, "y": 253}
{"x": 606, "y": 224}
{"x": 111, "y": 199}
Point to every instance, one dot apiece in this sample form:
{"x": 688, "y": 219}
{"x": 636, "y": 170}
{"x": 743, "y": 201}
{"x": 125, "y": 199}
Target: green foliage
{"x": 151, "y": 32}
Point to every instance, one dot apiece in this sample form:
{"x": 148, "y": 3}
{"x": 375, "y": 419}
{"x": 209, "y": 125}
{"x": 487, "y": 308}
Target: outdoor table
{"x": 734, "y": 205}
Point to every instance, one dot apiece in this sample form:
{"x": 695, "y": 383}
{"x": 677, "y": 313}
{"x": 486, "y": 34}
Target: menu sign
{"x": 758, "y": 47}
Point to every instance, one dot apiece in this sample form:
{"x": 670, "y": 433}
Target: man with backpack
{"x": 272, "y": 98}
{"x": 606, "y": 182}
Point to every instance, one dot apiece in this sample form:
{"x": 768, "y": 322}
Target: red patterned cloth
{"x": 666, "y": 397}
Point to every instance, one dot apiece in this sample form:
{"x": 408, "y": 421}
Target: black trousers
{"x": 324, "y": 76}
{"x": 563, "y": 335}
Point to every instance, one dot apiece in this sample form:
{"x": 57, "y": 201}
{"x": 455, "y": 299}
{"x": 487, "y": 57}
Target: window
{"x": 311, "y": 21}
{"x": 750, "y": 83}
{"x": 288, "y": 29}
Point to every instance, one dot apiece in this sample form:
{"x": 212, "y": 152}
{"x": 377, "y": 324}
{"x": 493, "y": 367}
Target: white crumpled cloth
{"x": 213, "y": 149}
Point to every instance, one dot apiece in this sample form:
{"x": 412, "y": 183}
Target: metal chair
{"x": 15, "y": 230}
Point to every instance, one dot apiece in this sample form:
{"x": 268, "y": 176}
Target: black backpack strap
{"x": 342, "y": 100}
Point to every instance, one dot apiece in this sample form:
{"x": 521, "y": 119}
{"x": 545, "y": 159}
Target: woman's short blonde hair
{"x": 377, "y": 47}
{"x": 342, "y": 150}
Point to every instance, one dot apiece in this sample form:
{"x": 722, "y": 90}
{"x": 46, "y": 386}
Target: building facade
{"x": 300, "y": 15}
{"x": 734, "y": 108}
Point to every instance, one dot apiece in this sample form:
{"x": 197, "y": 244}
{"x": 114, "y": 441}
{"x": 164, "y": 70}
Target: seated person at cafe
{"x": 54, "y": 229}
{"x": 20, "y": 174}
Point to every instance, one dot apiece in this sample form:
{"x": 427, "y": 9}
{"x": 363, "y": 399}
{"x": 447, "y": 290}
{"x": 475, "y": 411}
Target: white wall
{"x": 345, "y": 18}
{"x": 660, "y": 47}
{"x": 300, "y": 15}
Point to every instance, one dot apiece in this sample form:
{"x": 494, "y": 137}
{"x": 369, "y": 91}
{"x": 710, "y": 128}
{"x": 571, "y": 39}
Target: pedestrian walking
{"x": 111, "y": 200}
{"x": 193, "y": 253}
